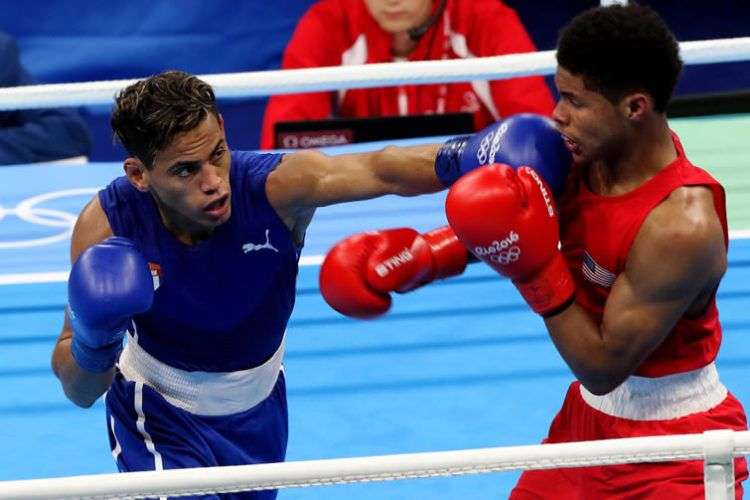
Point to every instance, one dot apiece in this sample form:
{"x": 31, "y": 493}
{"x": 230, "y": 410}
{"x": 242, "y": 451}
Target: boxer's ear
{"x": 137, "y": 173}
{"x": 635, "y": 106}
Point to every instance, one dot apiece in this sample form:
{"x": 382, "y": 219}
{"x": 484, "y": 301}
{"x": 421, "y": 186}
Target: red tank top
{"x": 597, "y": 233}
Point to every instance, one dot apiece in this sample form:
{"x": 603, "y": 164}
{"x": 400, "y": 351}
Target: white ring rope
{"x": 263, "y": 83}
{"x": 711, "y": 445}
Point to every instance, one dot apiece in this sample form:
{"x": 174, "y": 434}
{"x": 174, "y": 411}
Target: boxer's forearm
{"x": 80, "y": 386}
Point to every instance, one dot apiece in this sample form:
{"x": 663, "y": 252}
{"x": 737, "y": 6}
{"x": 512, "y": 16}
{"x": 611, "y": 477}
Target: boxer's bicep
{"x": 673, "y": 267}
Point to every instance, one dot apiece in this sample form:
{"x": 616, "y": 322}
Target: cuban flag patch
{"x": 156, "y": 274}
{"x": 596, "y": 273}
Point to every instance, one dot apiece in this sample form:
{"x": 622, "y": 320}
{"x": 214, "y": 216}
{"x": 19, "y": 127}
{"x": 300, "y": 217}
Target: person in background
{"x": 351, "y": 32}
{"x": 35, "y": 135}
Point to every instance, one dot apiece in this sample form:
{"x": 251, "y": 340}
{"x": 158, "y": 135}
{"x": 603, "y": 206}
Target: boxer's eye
{"x": 184, "y": 169}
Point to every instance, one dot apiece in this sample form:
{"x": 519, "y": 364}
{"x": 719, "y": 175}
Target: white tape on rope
{"x": 264, "y": 83}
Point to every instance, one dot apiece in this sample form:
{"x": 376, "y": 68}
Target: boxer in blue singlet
{"x": 191, "y": 257}
{"x": 221, "y": 306}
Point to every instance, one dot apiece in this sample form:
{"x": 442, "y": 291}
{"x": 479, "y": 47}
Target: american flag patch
{"x": 596, "y": 273}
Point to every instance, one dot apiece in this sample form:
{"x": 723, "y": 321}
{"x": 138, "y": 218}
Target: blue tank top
{"x": 223, "y": 303}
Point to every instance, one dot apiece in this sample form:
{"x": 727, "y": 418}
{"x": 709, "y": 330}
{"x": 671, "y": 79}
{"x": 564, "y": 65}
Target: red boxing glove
{"x": 359, "y": 272}
{"x": 507, "y": 219}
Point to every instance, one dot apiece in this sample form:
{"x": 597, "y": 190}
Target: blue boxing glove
{"x": 520, "y": 140}
{"x": 108, "y": 283}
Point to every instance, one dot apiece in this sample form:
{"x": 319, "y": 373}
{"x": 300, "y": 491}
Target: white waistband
{"x": 662, "y": 398}
{"x": 202, "y": 393}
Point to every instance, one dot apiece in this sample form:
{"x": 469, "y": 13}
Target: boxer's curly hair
{"x": 149, "y": 113}
{"x": 621, "y": 49}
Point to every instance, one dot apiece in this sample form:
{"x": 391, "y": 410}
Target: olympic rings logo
{"x": 501, "y": 251}
{"x": 490, "y": 145}
{"x": 506, "y": 256}
{"x": 28, "y": 211}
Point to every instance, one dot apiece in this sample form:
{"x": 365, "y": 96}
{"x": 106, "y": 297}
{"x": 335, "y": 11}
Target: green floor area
{"x": 721, "y": 145}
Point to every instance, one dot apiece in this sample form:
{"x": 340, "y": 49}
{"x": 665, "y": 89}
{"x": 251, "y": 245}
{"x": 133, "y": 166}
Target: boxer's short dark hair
{"x": 149, "y": 113}
{"x": 622, "y": 49}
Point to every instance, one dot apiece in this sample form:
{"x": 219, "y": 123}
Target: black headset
{"x": 417, "y": 32}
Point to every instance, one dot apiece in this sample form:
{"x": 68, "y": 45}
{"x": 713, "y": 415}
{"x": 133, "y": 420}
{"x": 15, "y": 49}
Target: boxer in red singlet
{"x": 629, "y": 299}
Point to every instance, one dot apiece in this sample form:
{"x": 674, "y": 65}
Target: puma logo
{"x": 252, "y": 247}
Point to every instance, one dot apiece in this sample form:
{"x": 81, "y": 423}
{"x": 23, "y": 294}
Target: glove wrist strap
{"x": 95, "y": 360}
{"x": 549, "y": 289}
{"x": 447, "y": 162}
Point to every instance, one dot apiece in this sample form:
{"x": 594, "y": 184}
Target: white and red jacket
{"x": 342, "y": 32}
